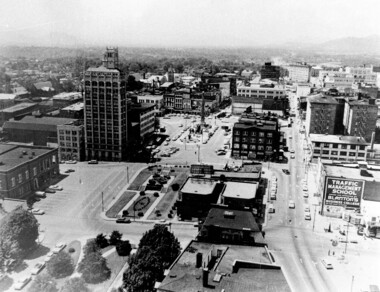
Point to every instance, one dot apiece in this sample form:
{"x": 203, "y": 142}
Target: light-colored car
{"x": 273, "y": 196}
{"x": 166, "y": 143}
{"x": 292, "y": 150}
{"x": 38, "y": 212}
{"x": 58, "y": 247}
{"x": 38, "y": 268}
{"x": 304, "y": 187}
{"x": 56, "y": 188}
{"x": 48, "y": 256}
{"x": 307, "y": 208}
{"x": 71, "y": 162}
{"x": 307, "y": 216}
{"x": 22, "y": 282}
{"x": 327, "y": 263}
{"x": 292, "y": 205}
{"x": 305, "y": 194}
{"x": 292, "y": 156}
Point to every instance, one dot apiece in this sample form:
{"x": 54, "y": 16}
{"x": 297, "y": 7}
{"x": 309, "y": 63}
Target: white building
{"x": 363, "y": 74}
{"x": 257, "y": 91}
{"x": 299, "y": 73}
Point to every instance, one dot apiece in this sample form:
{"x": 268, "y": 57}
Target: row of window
{"x": 252, "y": 147}
{"x": 341, "y": 153}
{"x": 68, "y": 138}
{"x": 101, "y": 83}
{"x": 253, "y": 133}
{"x": 253, "y": 140}
{"x": 68, "y": 144}
{"x": 339, "y": 146}
{"x": 67, "y": 132}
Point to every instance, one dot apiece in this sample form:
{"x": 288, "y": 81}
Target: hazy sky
{"x": 186, "y": 22}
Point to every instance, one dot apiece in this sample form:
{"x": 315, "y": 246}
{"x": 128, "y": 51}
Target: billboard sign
{"x": 343, "y": 192}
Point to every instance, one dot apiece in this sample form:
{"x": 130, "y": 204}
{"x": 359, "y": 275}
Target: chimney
{"x": 205, "y": 277}
{"x": 198, "y": 262}
{"x": 372, "y": 140}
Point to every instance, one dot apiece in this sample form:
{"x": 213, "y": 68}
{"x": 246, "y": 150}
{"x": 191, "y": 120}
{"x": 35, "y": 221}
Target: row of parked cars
{"x": 42, "y": 194}
{"x": 38, "y": 267}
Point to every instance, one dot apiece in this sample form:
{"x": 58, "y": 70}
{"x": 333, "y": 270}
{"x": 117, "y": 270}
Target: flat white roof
{"x": 338, "y": 139}
{"x": 7, "y": 96}
{"x": 239, "y": 190}
{"x": 198, "y": 186}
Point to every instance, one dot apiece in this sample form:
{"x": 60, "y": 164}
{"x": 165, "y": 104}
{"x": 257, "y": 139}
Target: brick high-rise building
{"x": 106, "y": 110}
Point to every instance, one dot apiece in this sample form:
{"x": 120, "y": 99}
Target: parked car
{"x": 22, "y": 282}
{"x": 56, "y": 188}
{"x": 50, "y": 191}
{"x": 273, "y": 196}
{"x": 307, "y": 216}
{"x": 69, "y": 170}
{"x": 292, "y": 156}
{"x": 286, "y": 171}
{"x": 40, "y": 194}
{"x": 48, "y": 256}
{"x": 38, "y": 212}
{"x": 123, "y": 220}
{"x": 71, "y": 162}
{"x": 292, "y": 205}
{"x": 307, "y": 208}
{"x": 305, "y": 194}
{"x": 93, "y": 162}
{"x": 221, "y": 152}
{"x": 292, "y": 150}
{"x": 327, "y": 263}
{"x": 58, "y": 247}
{"x": 38, "y": 268}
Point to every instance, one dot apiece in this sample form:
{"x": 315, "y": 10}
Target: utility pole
{"x": 102, "y": 203}
{"x": 127, "y": 175}
{"x": 345, "y": 248}
{"x": 315, "y": 212}
{"x": 199, "y": 150}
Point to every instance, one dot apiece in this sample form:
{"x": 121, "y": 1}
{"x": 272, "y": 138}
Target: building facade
{"x": 261, "y": 91}
{"x": 26, "y": 169}
{"x": 269, "y": 71}
{"x": 360, "y": 118}
{"x": 298, "y": 72}
{"x": 333, "y": 147}
{"x": 106, "y": 129}
{"x": 321, "y": 114}
{"x": 256, "y": 136}
{"x": 71, "y": 141}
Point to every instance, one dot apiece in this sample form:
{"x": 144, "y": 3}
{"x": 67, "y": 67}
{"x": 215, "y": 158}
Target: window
{"x": 317, "y": 144}
{"x": 326, "y": 145}
{"x": 261, "y": 134}
{"x": 269, "y": 135}
{"x": 19, "y": 178}
{"x": 261, "y": 141}
{"x": 351, "y": 154}
{"x": 269, "y": 148}
{"x": 244, "y": 139}
{"x": 334, "y": 152}
{"x": 236, "y": 146}
{"x": 236, "y": 139}
{"x": 245, "y": 133}
{"x": 343, "y": 146}
{"x": 237, "y": 132}
{"x": 13, "y": 182}
{"x": 252, "y": 147}
{"x": 334, "y": 145}
{"x": 362, "y": 147}
{"x": 325, "y": 152}
{"x": 253, "y": 134}
{"x": 361, "y": 154}
{"x": 27, "y": 174}
{"x": 253, "y": 140}
{"x": 260, "y": 147}
{"x": 34, "y": 171}
{"x": 244, "y": 146}
{"x": 343, "y": 153}
{"x": 353, "y": 147}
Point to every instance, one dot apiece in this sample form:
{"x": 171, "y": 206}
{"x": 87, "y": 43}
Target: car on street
{"x": 40, "y": 194}
{"x": 165, "y": 154}
{"x": 50, "y": 191}
{"x": 167, "y": 139}
{"x": 307, "y": 208}
{"x": 71, "y": 162}
{"x": 305, "y": 194}
{"x": 93, "y": 162}
{"x": 165, "y": 144}
{"x": 292, "y": 156}
{"x": 37, "y": 212}
{"x": 38, "y": 268}
{"x": 327, "y": 263}
{"x": 221, "y": 152}
{"x": 273, "y": 196}
{"x": 292, "y": 205}
{"x": 123, "y": 220}
{"x": 58, "y": 247}
{"x": 181, "y": 125}
{"x": 69, "y": 170}
{"x": 21, "y": 283}
{"x": 48, "y": 256}
{"x": 307, "y": 216}
{"x": 286, "y": 171}
{"x": 292, "y": 151}
{"x": 56, "y": 187}
{"x": 304, "y": 187}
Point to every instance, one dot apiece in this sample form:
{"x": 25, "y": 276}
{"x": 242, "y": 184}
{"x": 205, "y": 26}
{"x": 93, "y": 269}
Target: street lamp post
{"x": 345, "y": 247}
{"x": 315, "y": 213}
{"x": 102, "y": 203}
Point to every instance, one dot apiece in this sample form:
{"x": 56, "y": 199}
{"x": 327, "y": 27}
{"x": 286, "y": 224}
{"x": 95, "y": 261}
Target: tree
{"x": 175, "y": 187}
{"x": 101, "y": 241}
{"x": 144, "y": 270}
{"x": 74, "y": 285}
{"x": 91, "y": 247}
{"x": 20, "y": 226}
{"x": 123, "y": 248}
{"x": 94, "y": 268}
{"x": 115, "y": 237}
{"x": 60, "y": 265}
{"x": 45, "y": 283}
{"x": 158, "y": 248}
{"x": 9, "y": 250}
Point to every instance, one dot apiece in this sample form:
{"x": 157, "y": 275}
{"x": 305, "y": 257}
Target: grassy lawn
{"x": 119, "y": 204}
{"x": 140, "y": 179}
{"x": 149, "y": 195}
{"x": 169, "y": 198}
{"x": 115, "y": 263}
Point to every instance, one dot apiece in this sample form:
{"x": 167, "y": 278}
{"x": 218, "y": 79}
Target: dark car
{"x": 69, "y": 170}
{"x": 93, "y": 162}
{"x": 50, "y": 191}
{"x": 123, "y": 220}
{"x": 286, "y": 171}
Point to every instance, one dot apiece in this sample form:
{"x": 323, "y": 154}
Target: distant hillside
{"x": 353, "y": 45}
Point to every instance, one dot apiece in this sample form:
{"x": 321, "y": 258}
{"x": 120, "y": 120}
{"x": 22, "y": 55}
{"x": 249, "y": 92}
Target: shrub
{"x": 170, "y": 216}
{"x": 175, "y": 187}
{"x": 125, "y": 213}
{"x": 123, "y": 248}
{"x": 94, "y": 268}
{"x": 115, "y": 237}
{"x": 142, "y": 193}
{"x": 156, "y": 194}
{"x": 71, "y": 250}
{"x": 140, "y": 214}
{"x": 101, "y": 240}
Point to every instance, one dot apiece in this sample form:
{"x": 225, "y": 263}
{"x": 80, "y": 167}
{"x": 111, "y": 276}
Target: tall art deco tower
{"x": 106, "y": 110}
